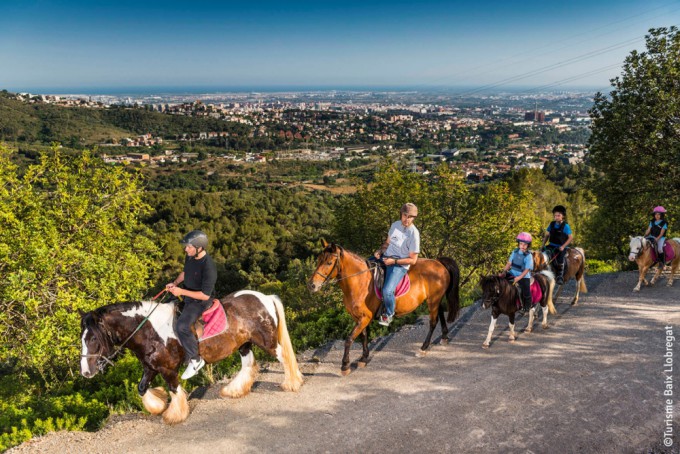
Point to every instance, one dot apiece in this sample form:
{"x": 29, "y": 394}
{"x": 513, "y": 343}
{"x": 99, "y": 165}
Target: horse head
{"x": 327, "y": 266}
{"x": 492, "y": 289}
{"x": 541, "y": 260}
{"x": 96, "y": 344}
{"x": 637, "y": 245}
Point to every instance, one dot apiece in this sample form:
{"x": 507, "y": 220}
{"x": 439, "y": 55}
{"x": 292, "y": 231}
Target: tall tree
{"x": 636, "y": 142}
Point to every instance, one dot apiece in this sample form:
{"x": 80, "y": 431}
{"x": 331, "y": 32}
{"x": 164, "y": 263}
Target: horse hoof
{"x": 345, "y": 372}
{"x": 670, "y": 284}
{"x": 511, "y": 340}
{"x": 421, "y": 353}
{"x": 528, "y": 330}
{"x": 636, "y": 289}
{"x": 485, "y": 346}
{"x": 362, "y": 364}
{"x": 445, "y": 341}
{"x": 545, "y": 326}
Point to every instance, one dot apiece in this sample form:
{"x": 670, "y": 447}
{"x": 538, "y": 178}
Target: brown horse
{"x": 431, "y": 280}
{"x": 146, "y": 328}
{"x": 502, "y": 297}
{"x": 575, "y": 262}
{"x": 641, "y": 253}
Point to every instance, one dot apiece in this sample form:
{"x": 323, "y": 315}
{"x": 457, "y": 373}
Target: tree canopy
{"x": 635, "y": 142}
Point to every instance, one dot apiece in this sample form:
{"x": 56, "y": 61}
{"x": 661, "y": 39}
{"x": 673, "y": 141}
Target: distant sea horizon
{"x": 196, "y": 90}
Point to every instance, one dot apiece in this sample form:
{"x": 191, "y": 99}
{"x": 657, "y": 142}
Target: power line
{"x": 550, "y": 67}
{"x": 551, "y": 46}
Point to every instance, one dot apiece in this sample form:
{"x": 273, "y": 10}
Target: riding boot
{"x": 559, "y": 279}
{"x": 662, "y": 258}
{"x": 522, "y": 308}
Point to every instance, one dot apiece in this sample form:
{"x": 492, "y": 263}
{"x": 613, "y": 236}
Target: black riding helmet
{"x": 560, "y": 209}
{"x": 196, "y": 238}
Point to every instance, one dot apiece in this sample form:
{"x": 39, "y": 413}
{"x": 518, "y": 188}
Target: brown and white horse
{"x": 575, "y": 262}
{"x": 431, "y": 280}
{"x": 501, "y": 296}
{"x": 252, "y": 318}
{"x": 641, "y": 253}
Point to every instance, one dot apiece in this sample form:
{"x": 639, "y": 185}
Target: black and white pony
{"x": 146, "y": 328}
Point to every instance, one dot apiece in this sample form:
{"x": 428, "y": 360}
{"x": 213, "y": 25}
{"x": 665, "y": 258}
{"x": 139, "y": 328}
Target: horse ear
{"x": 324, "y": 243}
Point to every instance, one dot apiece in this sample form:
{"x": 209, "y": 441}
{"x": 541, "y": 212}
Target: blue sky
{"x": 74, "y": 45}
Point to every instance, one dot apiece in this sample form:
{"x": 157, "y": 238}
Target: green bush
{"x": 595, "y": 266}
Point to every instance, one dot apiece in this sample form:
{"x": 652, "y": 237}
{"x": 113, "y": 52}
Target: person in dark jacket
{"x": 558, "y": 235}
{"x": 657, "y": 231}
{"x": 199, "y": 277}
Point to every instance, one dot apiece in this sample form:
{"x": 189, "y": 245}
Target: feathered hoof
{"x": 155, "y": 400}
{"x": 291, "y": 385}
{"x": 178, "y": 410}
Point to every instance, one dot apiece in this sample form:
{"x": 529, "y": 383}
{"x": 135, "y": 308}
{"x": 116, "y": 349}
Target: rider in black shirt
{"x": 199, "y": 277}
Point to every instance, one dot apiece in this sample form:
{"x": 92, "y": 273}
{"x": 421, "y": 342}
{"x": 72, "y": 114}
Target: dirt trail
{"x": 592, "y": 382}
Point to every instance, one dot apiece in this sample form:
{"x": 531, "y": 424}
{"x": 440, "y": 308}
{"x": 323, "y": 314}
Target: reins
{"x": 108, "y": 359}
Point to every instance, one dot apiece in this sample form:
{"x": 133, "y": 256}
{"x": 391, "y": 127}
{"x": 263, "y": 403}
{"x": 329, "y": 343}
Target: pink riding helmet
{"x": 659, "y": 209}
{"x": 524, "y": 237}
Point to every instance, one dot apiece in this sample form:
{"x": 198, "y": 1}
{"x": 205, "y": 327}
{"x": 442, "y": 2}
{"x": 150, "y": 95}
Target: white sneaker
{"x": 193, "y": 368}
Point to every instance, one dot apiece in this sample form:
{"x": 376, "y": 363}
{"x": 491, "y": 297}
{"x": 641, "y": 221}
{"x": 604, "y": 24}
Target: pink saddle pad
{"x": 668, "y": 250}
{"x": 403, "y": 287}
{"x": 536, "y": 294}
{"x": 215, "y": 320}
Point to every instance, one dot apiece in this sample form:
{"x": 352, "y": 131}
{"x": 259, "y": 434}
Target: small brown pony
{"x": 431, "y": 280}
{"x": 146, "y": 328}
{"x": 502, "y": 296}
{"x": 641, "y": 253}
{"x": 575, "y": 262}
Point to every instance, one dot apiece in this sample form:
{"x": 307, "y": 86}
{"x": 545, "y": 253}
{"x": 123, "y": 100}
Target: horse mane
{"x": 329, "y": 250}
{"x": 492, "y": 279}
{"x": 95, "y": 322}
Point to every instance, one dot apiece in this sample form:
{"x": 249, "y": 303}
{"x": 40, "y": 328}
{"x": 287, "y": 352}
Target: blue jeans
{"x": 393, "y": 275}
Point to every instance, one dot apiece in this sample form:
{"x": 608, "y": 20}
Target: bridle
{"x": 639, "y": 251}
{"x": 336, "y": 264}
{"x": 102, "y": 359}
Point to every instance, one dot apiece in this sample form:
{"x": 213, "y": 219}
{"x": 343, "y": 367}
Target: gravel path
{"x": 592, "y": 382}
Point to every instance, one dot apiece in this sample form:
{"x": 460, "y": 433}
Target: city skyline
{"x": 75, "y": 46}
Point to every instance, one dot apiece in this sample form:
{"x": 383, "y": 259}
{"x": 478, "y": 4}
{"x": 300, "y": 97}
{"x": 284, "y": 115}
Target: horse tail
{"x": 452, "y": 292}
{"x": 293, "y": 376}
{"x": 582, "y": 281}
{"x": 550, "y": 276}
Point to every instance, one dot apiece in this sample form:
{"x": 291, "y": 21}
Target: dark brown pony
{"x": 574, "y": 260}
{"x": 501, "y": 296}
{"x": 641, "y": 253}
{"x": 431, "y": 280}
{"x": 252, "y": 318}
